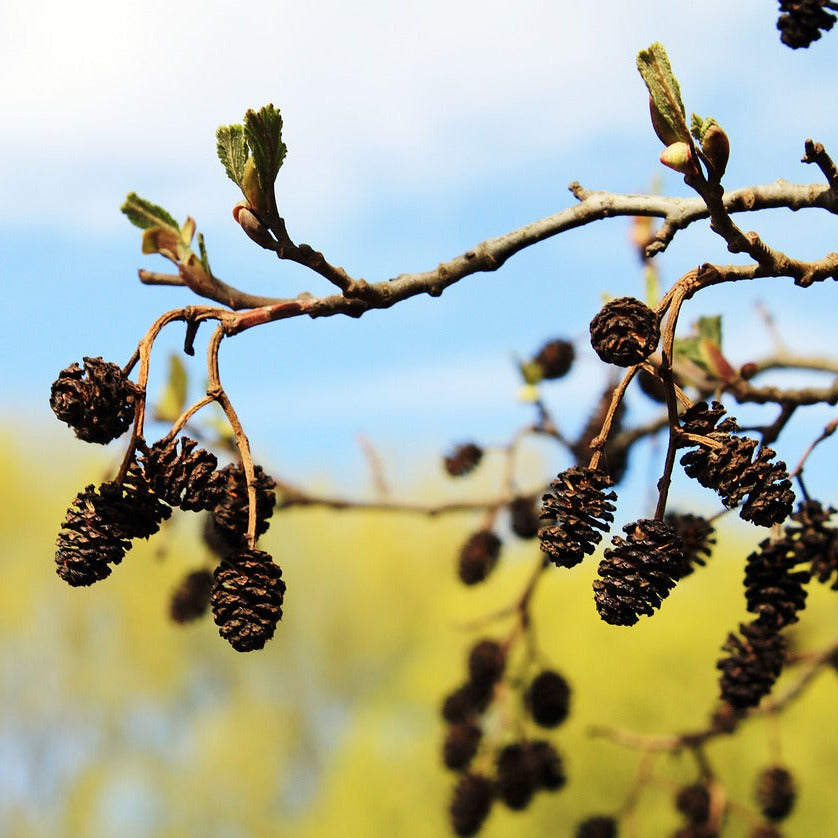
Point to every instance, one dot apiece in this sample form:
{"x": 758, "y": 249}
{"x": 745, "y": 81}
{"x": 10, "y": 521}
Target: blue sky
{"x": 415, "y": 130}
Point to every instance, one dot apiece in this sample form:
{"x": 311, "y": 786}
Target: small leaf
{"x": 202, "y": 249}
{"x": 173, "y": 398}
{"x": 690, "y": 349}
{"x": 187, "y": 231}
{"x": 231, "y": 146}
{"x": 529, "y": 393}
{"x": 144, "y": 214}
{"x": 162, "y": 240}
{"x": 710, "y": 328}
{"x": 714, "y": 362}
{"x": 531, "y": 371}
{"x": 653, "y": 64}
{"x": 263, "y": 130}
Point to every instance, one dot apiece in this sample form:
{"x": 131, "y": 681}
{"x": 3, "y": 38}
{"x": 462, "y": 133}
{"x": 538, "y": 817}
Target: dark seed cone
{"x": 696, "y": 534}
{"x": 247, "y": 599}
{"x": 614, "y": 460}
{"x": 548, "y": 765}
{"x": 729, "y": 467}
{"x": 486, "y": 663}
{"x": 803, "y": 20}
{"x": 773, "y": 589}
{"x": 815, "y": 540}
{"x": 461, "y": 745}
{"x": 463, "y": 459}
{"x": 555, "y": 359}
{"x": 638, "y": 572}
{"x": 580, "y": 509}
{"x": 470, "y": 804}
{"x": 523, "y": 517}
{"x": 230, "y": 515}
{"x": 185, "y": 477}
{"x": 190, "y": 600}
{"x": 99, "y": 526}
{"x": 548, "y": 699}
{"x": 478, "y": 557}
{"x": 770, "y": 497}
{"x": 625, "y": 332}
{"x": 754, "y": 662}
{"x": 466, "y": 702}
{"x": 776, "y": 792}
{"x": 599, "y": 826}
{"x": 693, "y": 802}
{"x": 97, "y": 402}
{"x": 652, "y": 386}
{"x": 517, "y": 775}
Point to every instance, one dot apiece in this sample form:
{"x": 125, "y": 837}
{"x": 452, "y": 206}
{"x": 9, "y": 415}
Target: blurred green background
{"x": 118, "y": 723}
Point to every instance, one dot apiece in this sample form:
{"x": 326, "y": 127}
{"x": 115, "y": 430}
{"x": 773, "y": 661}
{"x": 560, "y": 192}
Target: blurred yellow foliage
{"x": 118, "y": 723}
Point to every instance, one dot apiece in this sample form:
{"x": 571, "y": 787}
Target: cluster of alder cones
{"x": 641, "y": 567}
{"x": 246, "y": 590}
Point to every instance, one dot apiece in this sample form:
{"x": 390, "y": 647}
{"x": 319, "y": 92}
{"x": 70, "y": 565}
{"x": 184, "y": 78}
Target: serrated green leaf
{"x": 690, "y": 348}
{"x": 711, "y": 328}
{"x": 699, "y": 127}
{"x": 263, "y": 130}
{"x": 144, "y": 214}
{"x": 654, "y": 67}
{"x": 173, "y": 398}
{"x": 231, "y": 147}
{"x": 202, "y": 249}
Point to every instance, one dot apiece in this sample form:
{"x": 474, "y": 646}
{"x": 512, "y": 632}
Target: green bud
{"x": 679, "y": 156}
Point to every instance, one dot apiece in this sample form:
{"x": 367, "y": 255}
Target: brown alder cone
{"x": 625, "y": 332}
{"x": 754, "y": 663}
{"x": 190, "y": 600}
{"x": 184, "y": 477}
{"x": 638, "y": 572}
{"x": 230, "y": 515}
{"x": 802, "y": 21}
{"x": 97, "y": 402}
{"x": 247, "y": 599}
{"x": 579, "y": 508}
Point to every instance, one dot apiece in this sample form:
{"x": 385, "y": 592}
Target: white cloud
{"x": 376, "y": 95}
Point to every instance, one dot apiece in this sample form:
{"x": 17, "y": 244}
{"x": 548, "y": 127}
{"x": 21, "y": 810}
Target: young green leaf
{"x": 144, "y": 214}
{"x": 711, "y": 328}
{"x": 653, "y": 64}
{"x": 173, "y": 398}
{"x": 231, "y": 146}
{"x": 263, "y": 130}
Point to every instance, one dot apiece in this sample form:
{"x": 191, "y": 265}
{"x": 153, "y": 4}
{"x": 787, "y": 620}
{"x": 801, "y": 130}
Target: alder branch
{"x": 359, "y": 295}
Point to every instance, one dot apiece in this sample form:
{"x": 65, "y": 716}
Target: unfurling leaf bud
{"x": 251, "y": 187}
{"x": 250, "y": 223}
{"x": 716, "y": 148}
{"x": 666, "y": 133}
{"x": 679, "y": 156}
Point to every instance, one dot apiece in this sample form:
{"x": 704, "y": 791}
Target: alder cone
{"x": 802, "y": 21}
{"x": 246, "y": 599}
{"x": 230, "y": 515}
{"x": 478, "y": 557}
{"x": 470, "y": 804}
{"x": 754, "y": 663}
{"x": 463, "y": 459}
{"x": 191, "y": 598}
{"x": 100, "y": 524}
{"x": 548, "y": 698}
{"x": 625, "y": 332}
{"x": 776, "y": 792}
{"x": 185, "y": 477}
{"x": 97, "y": 402}
{"x": 579, "y": 508}
{"x": 638, "y": 572}
{"x": 555, "y": 359}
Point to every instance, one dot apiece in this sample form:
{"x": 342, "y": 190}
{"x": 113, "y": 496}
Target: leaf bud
{"x": 251, "y": 187}
{"x": 716, "y": 148}
{"x": 250, "y": 223}
{"x": 679, "y": 156}
{"x": 666, "y": 133}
